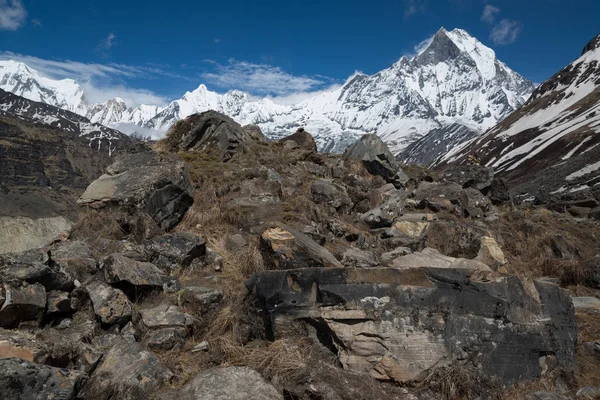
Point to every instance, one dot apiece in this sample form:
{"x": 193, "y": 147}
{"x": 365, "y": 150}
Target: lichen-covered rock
{"x": 490, "y": 253}
{"x": 133, "y": 274}
{"x": 165, "y": 316}
{"x": 127, "y": 372}
{"x": 331, "y": 194}
{"x": 386, "y": 213}
{"x": 59, "y": 303}
{"x": 401, "y": 324}
{"x": 157, "y": 187}
{"x": 470, "y": 176}
{"x": 474, "y": 204}
{"x": 303, "y": 139}
{"x": 21, "y": 379}
{"x": 231, "y": 383}
{"x": 175, "y": 250}
{"x": 25, "y": 302}
{"x": 110, "y": 304}
{"x": 166, "y": 338}
{"x": 286, "y": 248}
{"x": 377, "y": 158}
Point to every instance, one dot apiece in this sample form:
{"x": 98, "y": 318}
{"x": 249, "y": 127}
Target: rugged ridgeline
{"x": 223, "y": 266}
{"x": 549, "y": 148}
{"x": 450, "y": 92}
{"x": 48, "y": 157}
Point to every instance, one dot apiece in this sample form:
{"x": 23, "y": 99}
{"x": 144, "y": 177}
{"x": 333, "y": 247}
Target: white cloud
{"x": 489, "y": 13}
{"x": 12, "y": 15}
{"x": 295, "y": 98}
{"x": 36, "y": 22}
{"x": 100, "y": 82}
{"x": 260, "y": 79}
{"x": 505, "y": 32}
{"x": 108, "y": 42}
{"x": 95, "y": 93}
{"x": 216, "y": 40}
{"x": 412, "y": 7}
{"x": 423, "y": 44}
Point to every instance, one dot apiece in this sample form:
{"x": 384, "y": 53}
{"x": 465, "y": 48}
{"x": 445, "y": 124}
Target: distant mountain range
{"x": 450, "y": 92}
{"x": 550, "y": 146}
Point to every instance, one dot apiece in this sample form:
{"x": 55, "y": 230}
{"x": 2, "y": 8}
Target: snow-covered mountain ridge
{"x": 550, "y": 146}
{"x": 456, "y": 87}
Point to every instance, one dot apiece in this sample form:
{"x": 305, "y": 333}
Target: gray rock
{"x": 22, "y": 303}
{"x": 24, "y": 380}
{"x": 160, "y": 189}
{"x": 377, "y": 158}
{"x": 499, "y": 192}
{"x": 142, "y": 276}
{"x": 401, "y": 324}
{"x": 470, "y": 176}
{"x": 331, "y": 194}
{"x": 75, "y": 257}
{"x": 175, "y": 250}
{"x": 165, "y": 315}
{"x": 386, "y": 213}
{"x": 388, "y": 257}
{"x": 59, "y": 303}
{"x": 34, "y": 266}
{"x": 200, "y": 299}
{"x": 286, "y": 248}
{"x": 211, "y": 129}
{"x": 236, "y": 242}
{"x": 438, "y": 196}
{"x": 431, "y": 258}
{"x": 474, "y": 204}
{"x": 356, "y": 258}
{"x": 127, "y": 372}
{"x": 303, "y": 139}
{"x": 588, "y": 393}
{"x": 586, "y": 303}
{"x": 231, "y": 383}
{"x": 202, "y": 346}
{"x": 166, "y": 339}
{"x": 254, "y": 133}
{"x": 110, "y": 305}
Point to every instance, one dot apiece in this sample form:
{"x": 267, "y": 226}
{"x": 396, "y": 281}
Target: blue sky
{"x": 154, "y": 51}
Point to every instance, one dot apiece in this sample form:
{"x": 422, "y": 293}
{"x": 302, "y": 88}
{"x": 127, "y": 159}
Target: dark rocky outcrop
{"x": 400, "y": 325}
{"x": 211, "y": 129}
{"x": 377, "y": 158}
{"x": 470, "y": 176}
{"x": 20, "y": 379}
{"x": 145, "y": 183}
{"x": 303, "y": 139}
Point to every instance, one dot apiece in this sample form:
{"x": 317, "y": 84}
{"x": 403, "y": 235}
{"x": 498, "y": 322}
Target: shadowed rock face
{"x": 146, "y": 183}
{"x": 303, "y": 139}
{"x": 399, "y": 324}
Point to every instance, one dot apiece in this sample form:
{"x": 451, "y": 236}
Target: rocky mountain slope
{"x": 549, "y": 147}
{"x": 219, "y": 265}
{"x": 48, "y": 156}
{"x": 454, "y": 89}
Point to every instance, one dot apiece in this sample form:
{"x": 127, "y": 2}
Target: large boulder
{"x": 470, "y": 176}
{"x": 402, "y": 324}
{"x": 286, "y": 248}
{"x": 431, "y": 258}
{"x": 19, "y": 233}
{"x": 210, "y": 129}
{"x": 332, "y": 194}
{"x": 21, "y": 302}
{"x": 35, "y": 266}
{"x": 20, "y": 380}
{"x": 153, "y": 185}
{"x": 127, "y": 372}
{"x": 303, "y": 139}
{"x": 135, "y": 275}
{"x": 175, "y": 250}
{"x": 231, "y": 383}
{"x": 254, "y": 132}
{"x": 377, "y": 158}
{"x": 110, "y": 305}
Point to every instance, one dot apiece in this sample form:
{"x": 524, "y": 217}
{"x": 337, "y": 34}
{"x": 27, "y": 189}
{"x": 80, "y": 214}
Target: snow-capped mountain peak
{"x": 455, "y": 88}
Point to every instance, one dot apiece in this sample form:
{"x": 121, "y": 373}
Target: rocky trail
{"x": 215, "y": 264}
